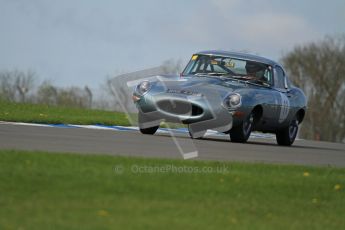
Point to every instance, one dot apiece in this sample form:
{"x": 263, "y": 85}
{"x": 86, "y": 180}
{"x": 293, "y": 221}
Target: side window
{"x": 279, "y": 78}
{"x": 268, "y": 75}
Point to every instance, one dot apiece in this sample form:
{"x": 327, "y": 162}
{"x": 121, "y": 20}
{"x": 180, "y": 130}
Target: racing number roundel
{"x": 285, "y": 107}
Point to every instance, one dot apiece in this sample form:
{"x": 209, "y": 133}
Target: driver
{"x": 255, "y": 71}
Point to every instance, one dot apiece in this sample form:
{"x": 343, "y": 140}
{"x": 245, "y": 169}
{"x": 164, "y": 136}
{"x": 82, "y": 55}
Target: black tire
{"x": 149, "y": 130}
{"x": 241, "y": 133}
{"x": 287, "y": 135}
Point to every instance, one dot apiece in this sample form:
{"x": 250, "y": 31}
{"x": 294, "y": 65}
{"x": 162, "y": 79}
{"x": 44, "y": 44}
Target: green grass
{"x": 70, "y": 191}
{"x": 33, "y": 113}
{"x": 44, "y": 114}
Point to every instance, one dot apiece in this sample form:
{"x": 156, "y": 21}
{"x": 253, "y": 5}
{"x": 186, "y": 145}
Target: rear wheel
{"x": 288, "y": 135}
{"x": 242, "y": 132}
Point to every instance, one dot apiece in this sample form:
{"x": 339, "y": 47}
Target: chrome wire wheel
{"x": 248, "y": 125}
{"x": 293, "y": 129}
{"x": 287, "y": 135}
{"x": 242, "y": 132}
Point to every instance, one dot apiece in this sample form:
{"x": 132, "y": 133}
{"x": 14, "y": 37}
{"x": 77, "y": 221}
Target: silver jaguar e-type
{"x": 229, "y": 92}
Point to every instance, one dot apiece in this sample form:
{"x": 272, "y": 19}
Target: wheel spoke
{"x": 248, "y": 124}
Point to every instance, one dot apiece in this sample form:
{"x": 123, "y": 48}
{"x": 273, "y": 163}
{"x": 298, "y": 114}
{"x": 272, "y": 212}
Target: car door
{"x": 282, "y": 97}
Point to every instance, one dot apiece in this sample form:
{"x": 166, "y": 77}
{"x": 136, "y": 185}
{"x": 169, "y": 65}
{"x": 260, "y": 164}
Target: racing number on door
{"x": 284, "y": 108}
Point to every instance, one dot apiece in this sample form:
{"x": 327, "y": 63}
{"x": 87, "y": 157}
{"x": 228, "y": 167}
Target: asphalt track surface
{"x": 162, "y": 145}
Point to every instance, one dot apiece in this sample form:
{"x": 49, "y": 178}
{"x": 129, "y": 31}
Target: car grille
{"x": 179, "y": 108}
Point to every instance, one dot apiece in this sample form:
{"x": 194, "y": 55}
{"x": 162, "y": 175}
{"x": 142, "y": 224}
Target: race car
{"x": 230, "y": 92}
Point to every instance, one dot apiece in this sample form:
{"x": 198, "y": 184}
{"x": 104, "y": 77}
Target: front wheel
{"x": 242, "y": 132}
{"x": 287, "y": 135}
{"x": 146, "y": 126}
{"x": 150, "y": 131}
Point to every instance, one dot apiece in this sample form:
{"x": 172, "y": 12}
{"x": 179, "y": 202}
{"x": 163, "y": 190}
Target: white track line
{"x": 130, "y": 128}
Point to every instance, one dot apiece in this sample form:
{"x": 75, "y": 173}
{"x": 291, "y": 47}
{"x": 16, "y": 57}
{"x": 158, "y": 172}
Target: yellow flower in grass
{"x": 337, "y": 187}
{"x": 306, "y": 174}
{"x": 102, "y": 213}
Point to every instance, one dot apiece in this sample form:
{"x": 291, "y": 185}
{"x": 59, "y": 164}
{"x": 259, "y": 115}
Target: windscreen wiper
{"x": 259, "y": 82}
{"x": 212, "y": 74}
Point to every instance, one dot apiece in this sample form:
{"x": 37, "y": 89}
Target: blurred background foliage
{"x": 319, "y": 69}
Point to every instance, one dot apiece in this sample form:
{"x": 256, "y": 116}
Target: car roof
{"x": 238, "y": 55}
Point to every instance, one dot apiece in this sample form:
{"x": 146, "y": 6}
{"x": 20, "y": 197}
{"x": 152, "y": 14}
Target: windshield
{"x": 229, "y": 67}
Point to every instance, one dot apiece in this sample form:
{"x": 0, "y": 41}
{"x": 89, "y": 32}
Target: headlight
{"x": 232, "y": 101}
{"x": 143, "y": 88}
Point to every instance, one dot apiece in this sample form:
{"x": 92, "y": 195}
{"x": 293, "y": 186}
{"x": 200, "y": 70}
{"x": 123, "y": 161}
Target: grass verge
{"x": 44, "y": 114}
{"x": 69, "y": 191}
{"x": 34, "y": 113}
